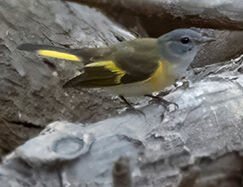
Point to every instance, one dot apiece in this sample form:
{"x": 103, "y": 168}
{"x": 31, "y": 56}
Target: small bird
{"x": 131, "y": 68}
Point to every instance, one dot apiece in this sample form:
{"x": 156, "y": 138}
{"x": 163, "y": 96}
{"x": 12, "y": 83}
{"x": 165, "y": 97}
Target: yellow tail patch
{"x": 57, "y": 54}
{"x": 110, "y": 65}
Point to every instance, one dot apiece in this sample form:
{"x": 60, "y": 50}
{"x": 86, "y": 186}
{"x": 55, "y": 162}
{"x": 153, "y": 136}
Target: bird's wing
{"x": 126, "y": 62}
{"x": 138, "y": 58}
{"x": 98, "y": 74}
{"x": 130, "y": 62}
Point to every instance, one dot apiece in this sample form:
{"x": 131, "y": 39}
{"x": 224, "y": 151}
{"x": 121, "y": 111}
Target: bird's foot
{"x": 163, "y": 102}
{"x": 130, "y": 107}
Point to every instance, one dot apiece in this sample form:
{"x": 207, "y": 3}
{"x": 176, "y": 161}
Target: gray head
{"x": 179, "y": 47}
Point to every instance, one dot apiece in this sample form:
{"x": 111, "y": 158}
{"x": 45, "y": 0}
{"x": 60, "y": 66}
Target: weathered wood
{"x": 154, "y": 18}
{"x": 31, "y": 93}
{"x": 170, "y": 14}
{"x": 198, "y": 145}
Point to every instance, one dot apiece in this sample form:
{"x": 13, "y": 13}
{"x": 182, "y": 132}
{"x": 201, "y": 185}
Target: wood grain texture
{"x": 197, "y": 145}
{"x": 31, "y": 92}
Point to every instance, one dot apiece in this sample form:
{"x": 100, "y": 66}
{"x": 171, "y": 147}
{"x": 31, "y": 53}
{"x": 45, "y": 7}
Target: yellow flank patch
{"x": 157, "y": 77}
{"x": 57, "y": 54}
{"x": 111, "y": 66}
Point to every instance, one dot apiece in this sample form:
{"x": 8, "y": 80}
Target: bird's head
{"x": 180, "y": 46}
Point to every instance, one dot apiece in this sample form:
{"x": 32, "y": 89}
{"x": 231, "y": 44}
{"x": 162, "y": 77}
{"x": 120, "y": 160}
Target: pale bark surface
{"x": 154, "y": 18}
{"x": 198, "y": 145}
{"x": 219, "y": 14}
{"x": 31, "y": 93}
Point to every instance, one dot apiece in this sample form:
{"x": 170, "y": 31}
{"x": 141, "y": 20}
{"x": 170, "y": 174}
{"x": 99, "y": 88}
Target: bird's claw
{"x": 163, "y": 102}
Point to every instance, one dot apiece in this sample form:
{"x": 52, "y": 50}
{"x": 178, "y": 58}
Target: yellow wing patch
{"x": 57, "y": 54}
{"x": 111, "y": 66}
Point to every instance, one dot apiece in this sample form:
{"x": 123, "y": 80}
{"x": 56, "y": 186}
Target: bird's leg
{"x": 125, "y": 101}
{"x": 130, "y": 107}
{"x": 162, "y": 101}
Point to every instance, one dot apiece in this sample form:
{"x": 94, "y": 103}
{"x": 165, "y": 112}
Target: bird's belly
{"x": 132, "y": 89}
{"x": 140, "y": 88}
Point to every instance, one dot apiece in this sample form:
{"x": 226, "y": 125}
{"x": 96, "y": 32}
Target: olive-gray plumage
{"x": 135, "y": 67}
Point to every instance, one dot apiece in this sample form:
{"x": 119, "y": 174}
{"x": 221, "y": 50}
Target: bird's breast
{"x": 161, "y": 78}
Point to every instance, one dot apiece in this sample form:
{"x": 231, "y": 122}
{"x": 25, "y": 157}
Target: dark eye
{"x": 185, "y": 40}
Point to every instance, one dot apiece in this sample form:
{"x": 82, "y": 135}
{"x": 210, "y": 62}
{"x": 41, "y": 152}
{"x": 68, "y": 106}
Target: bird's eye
{"x": 185, "y": 40}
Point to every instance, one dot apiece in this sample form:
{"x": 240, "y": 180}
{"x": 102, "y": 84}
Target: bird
{"x": 137, "y": 67}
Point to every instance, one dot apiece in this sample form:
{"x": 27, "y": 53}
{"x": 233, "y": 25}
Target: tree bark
{"x": 31, "y": 93}
{"x": 154, "y": 18}
{"x": 170, "y": 14}
{"x": 197, "y": 145}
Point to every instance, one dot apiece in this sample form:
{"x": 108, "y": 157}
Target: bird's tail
{"x": 51, "y": 51}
